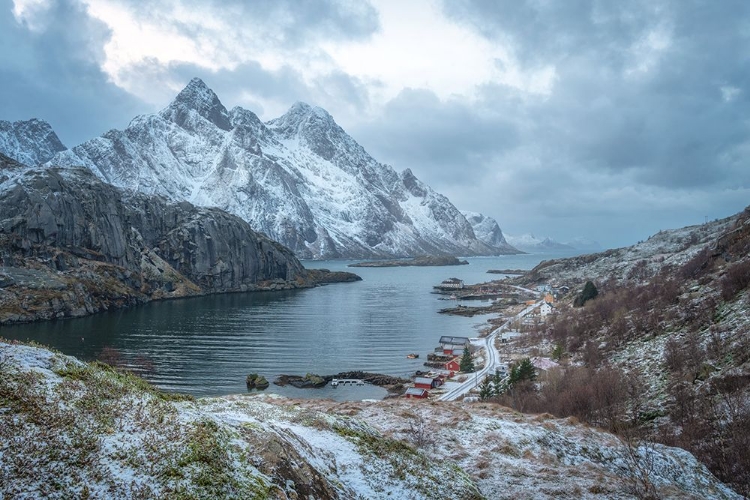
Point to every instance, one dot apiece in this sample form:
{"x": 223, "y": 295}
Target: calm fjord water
{"x": 207, "y": 345}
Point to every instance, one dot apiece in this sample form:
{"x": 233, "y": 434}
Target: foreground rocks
{"x": 313, "y": 381}
{"x": 72, "y": 245}
{"x": 75, "y": 430}
{"x": 309, "y": 381}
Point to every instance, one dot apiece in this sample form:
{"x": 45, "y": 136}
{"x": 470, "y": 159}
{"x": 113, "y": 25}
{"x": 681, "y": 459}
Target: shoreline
{"x": 55, "y": 298}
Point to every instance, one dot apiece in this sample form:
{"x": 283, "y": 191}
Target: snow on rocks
{"x": 300, "y": 178}
{"x": 69, "y": 429}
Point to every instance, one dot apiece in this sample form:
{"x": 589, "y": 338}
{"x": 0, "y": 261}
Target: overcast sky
{"x": 579, "y": 118}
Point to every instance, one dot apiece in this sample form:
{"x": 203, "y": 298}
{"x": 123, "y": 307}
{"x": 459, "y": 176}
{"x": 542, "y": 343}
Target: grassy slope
{"x": 69, "y": 429}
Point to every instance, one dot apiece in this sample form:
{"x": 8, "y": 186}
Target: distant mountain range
{"x": 532, "y": 244}
{"x": 300, "y": 178}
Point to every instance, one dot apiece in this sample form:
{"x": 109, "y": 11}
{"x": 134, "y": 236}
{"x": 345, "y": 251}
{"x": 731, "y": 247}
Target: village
{"x": 459, "y": 365}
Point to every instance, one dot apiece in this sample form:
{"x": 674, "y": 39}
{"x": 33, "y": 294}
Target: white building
{"x": 545, "y": 309}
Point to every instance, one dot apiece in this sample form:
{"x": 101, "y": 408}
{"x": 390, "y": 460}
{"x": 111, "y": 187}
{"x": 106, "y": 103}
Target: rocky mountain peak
{"x": 30, "y": 142}
{"x": 302, "y": 120}
{"x": 198, "y": 97}
{"x": 412, "y": 184}
{"x": 487, "y": 230}
{"x": 242, "y": 117}
{"x": 300, "y": 178}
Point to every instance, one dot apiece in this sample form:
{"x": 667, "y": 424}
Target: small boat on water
{"x": 412, "y": 355}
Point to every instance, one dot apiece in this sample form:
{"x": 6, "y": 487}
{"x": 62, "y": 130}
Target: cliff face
{"x": 83, "y": 245}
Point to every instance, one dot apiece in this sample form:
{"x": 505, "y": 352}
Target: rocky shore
{"x": 444, "y": 260}
{"x": 313, "y": 381}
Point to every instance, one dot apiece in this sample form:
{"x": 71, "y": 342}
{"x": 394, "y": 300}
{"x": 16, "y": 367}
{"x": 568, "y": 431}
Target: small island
{"x": 426, "y": 260}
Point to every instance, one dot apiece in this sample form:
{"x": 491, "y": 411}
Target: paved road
{"x": 492, "y": 359}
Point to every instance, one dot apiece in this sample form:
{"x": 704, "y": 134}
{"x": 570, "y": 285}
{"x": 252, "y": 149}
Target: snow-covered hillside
{"x": 75, "y": 430}
{"x": 30, "y": 142}
{"x": 299, "y": 178}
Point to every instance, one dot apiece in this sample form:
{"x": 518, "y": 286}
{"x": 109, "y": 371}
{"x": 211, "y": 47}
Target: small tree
{"x": 498, "y": 387}
{"x": 486, "y": 391}
{"x": 557, "y": 352}
{"x": 522, "y": 371}
{"x": 467, "y": 364}
{"x": 589, "y": 292}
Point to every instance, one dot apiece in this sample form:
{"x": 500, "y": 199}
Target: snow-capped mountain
{"x": 299, "y": 178}
{"x": 530, "y": 243}
{"x": 488, "y": 231}
{"x": 30, "y": 142}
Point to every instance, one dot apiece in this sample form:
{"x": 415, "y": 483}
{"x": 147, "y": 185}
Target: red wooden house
{"x": 425, "y": 383}
{"x": 453, "y": 365}
{"x": 414, "y": 392}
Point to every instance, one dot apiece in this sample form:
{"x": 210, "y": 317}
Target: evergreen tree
{"x": 497, "y": 383}
{"x": 467, "y": 364}
{"x": 522, "y": 371}
{"x": 486, "y": 390}
{"x": 589, "y": 292}
{"x": 557, "y": 352}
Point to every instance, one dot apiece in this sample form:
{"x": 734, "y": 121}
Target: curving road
{"x": 492, "y": 359}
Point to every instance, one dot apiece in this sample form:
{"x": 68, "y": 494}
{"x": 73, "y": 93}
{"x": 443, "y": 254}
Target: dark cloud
{"x": 639, "y": 84}
{"x": 644, "y": 126}
{"x": 439, "y": 139}
{"x": 54, "y": 74}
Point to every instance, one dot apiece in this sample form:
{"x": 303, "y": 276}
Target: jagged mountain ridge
{"x": 30, "y": 142}
{"x": 299, "y": 178}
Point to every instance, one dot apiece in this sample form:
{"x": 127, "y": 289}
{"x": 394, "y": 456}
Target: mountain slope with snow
{"x": 488, "y": 231}
{"x": 299, "y": 178}
{"x": 30, "y": 142}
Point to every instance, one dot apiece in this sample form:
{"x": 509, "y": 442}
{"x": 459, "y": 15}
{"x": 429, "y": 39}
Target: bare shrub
{"x": 697, "y": 266}
{"x": 419, "y": 432}
{"x": 736, "y": 279}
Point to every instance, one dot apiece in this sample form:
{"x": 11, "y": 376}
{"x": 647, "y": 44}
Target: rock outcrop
{"x": 84, "y": 246}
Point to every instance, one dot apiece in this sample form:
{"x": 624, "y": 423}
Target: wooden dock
{"x": 346, "y": 381}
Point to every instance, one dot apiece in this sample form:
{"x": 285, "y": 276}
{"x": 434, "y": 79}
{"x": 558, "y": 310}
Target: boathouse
{"x": 446, "y": 340}
{"x": 416, "y": 393}
{"x": 452, "y": 283}
{"x": 425, "y": 383}
{"x": 454, "y": 350}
